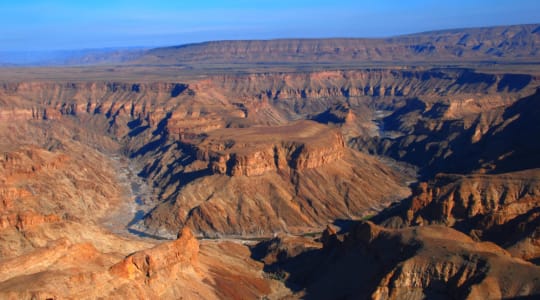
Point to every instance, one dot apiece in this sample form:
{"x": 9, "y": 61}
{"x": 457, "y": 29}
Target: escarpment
{"x": 51, "y": 182}
{"x": 171, "y": 269}
{"x": 227, "y": 178}
{"x": 450, "y": 199}
{"x": 495, "y": 140}
{"x": 504, "y": 43}
{"x": 237, "y": 94}
{"x": 498, "y": 201}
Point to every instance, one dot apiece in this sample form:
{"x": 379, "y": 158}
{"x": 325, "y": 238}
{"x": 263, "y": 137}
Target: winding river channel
{"x": 126, "y": 219}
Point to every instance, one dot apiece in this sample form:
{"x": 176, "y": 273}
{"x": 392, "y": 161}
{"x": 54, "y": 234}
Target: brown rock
{"x": 412, "y": 263}
{"x": 23, "y": 221}
{"x": 501, "y": 208}
{"x": 161, "y": 260}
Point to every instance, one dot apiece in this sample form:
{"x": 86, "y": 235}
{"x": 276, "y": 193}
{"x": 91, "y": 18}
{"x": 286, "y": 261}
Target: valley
{"x": 255, "y": 175}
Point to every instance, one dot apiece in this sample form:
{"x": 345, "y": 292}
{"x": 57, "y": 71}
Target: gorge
{"x": 264, "y": 178}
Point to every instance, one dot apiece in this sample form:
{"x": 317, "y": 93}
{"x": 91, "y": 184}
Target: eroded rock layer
{"x": 412, "y": 263}
{"x": 500, "y": 208}
{"x": 254, "y": 151}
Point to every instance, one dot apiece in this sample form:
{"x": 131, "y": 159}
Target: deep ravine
{"x": 136, "y": 203}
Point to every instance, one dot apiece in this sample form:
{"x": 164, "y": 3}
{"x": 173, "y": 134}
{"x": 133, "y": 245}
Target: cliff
{"x": 500, "y": 208}
{"x": 64, "y": 268}
{"x": 200, "y": 105}
{"x": 437, "y": 138}
{"x": 231, "y": 141}
{"x": 253, "y": 151}
{"x": 369, "y": 261}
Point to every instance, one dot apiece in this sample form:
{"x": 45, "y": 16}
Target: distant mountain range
{"x": 508, "y": 43}
{"x": 517, "y": 43}
{"x": 83, "y": 57}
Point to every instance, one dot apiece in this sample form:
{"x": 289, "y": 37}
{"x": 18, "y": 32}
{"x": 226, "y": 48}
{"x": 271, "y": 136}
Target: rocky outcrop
{"x": 449, "y": 199}
{"x": 254, "y": 151}
{"x": 215, "y": 101}
{"x": 233, "y": 155}
{"x": 469, "y": 271}
{"x": 412, "y": 263}
{"x": 500, "y": 208}
{"x": 162, "y": 261}
{"x": 23, "y": 221}
{"x": 496, "y": 140}
{"x": 49, "y": 175}
{"x": 171, "y": 269}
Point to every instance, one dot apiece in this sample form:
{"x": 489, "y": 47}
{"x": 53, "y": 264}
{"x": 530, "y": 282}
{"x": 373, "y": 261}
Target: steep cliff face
{"x": 24, "y": 220}
{"x": 453, "y": 198}
{"x": 54, "y": 182}
{"x": 261, "y": 98}
{"x": 254, "y": 151}
{"x": 53, "y": 245}
{"x": 369, "y": 82}
{"x": 470, "y": 270}
{"x": 158, "y": 264}
{"x": 265, "y": 150}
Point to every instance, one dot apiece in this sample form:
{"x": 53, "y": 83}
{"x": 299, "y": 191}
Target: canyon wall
{"x": 209, "y": 131}
{"x": 369, "y": 261}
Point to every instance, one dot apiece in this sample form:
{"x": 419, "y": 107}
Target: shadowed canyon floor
{"x": 213, "y": 184}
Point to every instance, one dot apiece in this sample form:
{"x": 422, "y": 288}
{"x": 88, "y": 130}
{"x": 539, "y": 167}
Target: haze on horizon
{"x": 38, "y": 25}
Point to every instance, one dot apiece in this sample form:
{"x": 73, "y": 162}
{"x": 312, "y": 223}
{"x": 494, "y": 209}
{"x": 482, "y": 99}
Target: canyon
{"x": 253, "y": 176}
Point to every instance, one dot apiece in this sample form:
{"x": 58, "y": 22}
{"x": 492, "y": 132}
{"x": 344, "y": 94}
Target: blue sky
{"x": 53, "y": 25}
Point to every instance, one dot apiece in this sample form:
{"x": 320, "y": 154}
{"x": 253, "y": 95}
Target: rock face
{"x": 47, "y": 179}
{"x": 284, "y": 197}
{"x": 493, "y": 141}
{"x": 171, "y": 270}
{"x": 495, "y": 43}
{"x": 26, "y": 219}
{"x": 254, "y": 151}
{"x": 498, "y": 202}
{"x": 161, "y": 261}
{"x": 413, "y": 263}
{"x": 499, "y": 208}
{"x": 36, "y": 180}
